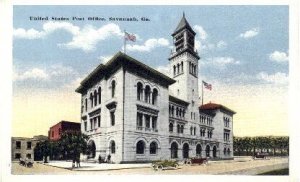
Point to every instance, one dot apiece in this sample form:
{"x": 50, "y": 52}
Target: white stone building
{"x": 137, "y": 114}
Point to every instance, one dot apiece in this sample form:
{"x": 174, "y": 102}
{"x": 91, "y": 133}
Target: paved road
{"x": 241, "y": 166}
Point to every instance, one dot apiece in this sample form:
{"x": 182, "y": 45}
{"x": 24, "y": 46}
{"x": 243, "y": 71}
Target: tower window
{"x": 113, "y": 88}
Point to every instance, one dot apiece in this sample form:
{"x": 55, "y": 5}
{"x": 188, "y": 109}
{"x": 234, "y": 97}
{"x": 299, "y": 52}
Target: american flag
{"x": 130, "y": 37}
{"x": 206, "y": 85}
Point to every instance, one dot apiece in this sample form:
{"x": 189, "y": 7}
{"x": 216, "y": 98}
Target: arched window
{"x": 224, "y": 151}
{"x": 174, "y": 150}
{"x": 112, "y": 147}
{"x": 194, "y": 130}
{"x": 181, "y": 67}
{"x": 185, "y": 152}
{"x": 139, "y": 91}
{"x": 214, "y": 151}
{"x": 207, "y": 150}
{"x": 228, "y": 151}
{"x": 181, "y": 129}
{"x": 113, "y": 88}
{"x": 140, "y": 147}
{"x": 174, "y": 67}
{"x": 85, "y": 104}
{"x": 178, "y": 128}
{"x": 153, "y": 147}
{"x": 198, "y": 150}
{"x": 172, "y": 110}
{"x": 91, "y": 98}
{"x": 147, "y": 94}
{"x": 171, "y": 127}
{"x": 177, "y": 111}
{"x": 99, "y": 95}
{"x": 191, "y": 130}
{"x": 178, "y": 69}
{"x": 95, "y": 97}
{"x": 154, "y": 96}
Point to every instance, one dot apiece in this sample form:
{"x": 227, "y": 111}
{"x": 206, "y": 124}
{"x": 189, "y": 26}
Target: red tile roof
{"x": 213, "y": 106}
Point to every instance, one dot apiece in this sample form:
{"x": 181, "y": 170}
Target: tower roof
{"x": 182, "y": 25}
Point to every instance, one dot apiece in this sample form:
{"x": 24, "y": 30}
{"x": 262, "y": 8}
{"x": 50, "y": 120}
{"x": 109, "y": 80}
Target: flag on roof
{"x": 207, "y": 85}
{"x": 130, "y": 37}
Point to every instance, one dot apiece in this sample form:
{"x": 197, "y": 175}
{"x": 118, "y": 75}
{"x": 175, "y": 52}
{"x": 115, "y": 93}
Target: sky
{"x": 244, "y": 55}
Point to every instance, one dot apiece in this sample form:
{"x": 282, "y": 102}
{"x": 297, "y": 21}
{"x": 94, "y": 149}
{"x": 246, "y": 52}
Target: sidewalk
{"x": 95, "y": 166}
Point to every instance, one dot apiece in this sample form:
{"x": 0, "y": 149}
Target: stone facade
{"x": 135, "y": 114}
{"x": 22, "y": 147}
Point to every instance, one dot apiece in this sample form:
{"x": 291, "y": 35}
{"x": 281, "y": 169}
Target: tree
{"x": 43, "y": 149}
{"x": 74, "y": 144}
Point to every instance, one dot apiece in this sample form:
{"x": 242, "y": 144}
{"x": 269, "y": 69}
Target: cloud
{"x": 250, "y": 33}
{"x": 200, "y": 31}
{"x": 54, "y": 72}
{"x": 163, "y": 69}
{"x": 84, "y": 38}
{"x": 220, "y": 62}
{"x": 221, "y": 44}
{"x": 279, "y": 56}
{"x": 105, "y": 59}
{"x": 149, "y": 45}
{"x": 32, "y": 74}
{"x": 277, "y": 78}
{"x": 89, "y": 36}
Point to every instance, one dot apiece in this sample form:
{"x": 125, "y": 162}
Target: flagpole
{"x": 202, "y": 93}
{"x": 124, "y": 41}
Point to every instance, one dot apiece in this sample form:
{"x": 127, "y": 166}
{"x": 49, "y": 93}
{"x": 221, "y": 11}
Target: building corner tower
{"x": 183, "y": 67}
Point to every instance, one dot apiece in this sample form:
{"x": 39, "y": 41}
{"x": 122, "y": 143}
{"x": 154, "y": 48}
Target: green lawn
{"x": 277, "y": 172}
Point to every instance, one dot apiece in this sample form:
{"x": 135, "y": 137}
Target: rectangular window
{"x": 59, "y": 131}
{"x": 147, "y": 121}
{"x": 99, "y": 121}
{"x": 112, "y": 118}
{"x": 52, "y": 133}
{"x": 85, "y": 126}
{"x": 17, "y": 155}
{"x": 28, "y": 145}
{"x": 18, "y": 144}
{"x": 91, "y": 124}
{"x": 28, "y": 156}
{"x": 139, "y": 121}
{"x": 154, "y": 123}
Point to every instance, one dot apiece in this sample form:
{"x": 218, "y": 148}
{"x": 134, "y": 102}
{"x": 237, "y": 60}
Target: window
{"x": 191, "y": 130}
{"x": 99, "y": 121}
{"x": 28, "y": 156}
{"x": 174, "y": 70}
{"x": 85, "y": 126}
{"x": 181, "y": 129}
{"x": 178, "y": 70}
{"x": 198, "y": 150}
{"x": 154, "y": 96}
{"x": 153, "y": 147}
{"x": 147, "y": 94}
{"x": 178, "y": 128}
{"x": 91, "y": 98}
{"x": 112, "y": 147}
{"x": 154, "y": 123}
{"x": 95, "y": 97}
{"x": 113, "y": 88}
{"x": 112, "y": 118}
{"x": 194, "y": 130}
{"x": 224, "y": 151}
{"x": 91, "y": 124}
{"x": 139, "y": 118}
{"x": 59, "y": 131}
{"x": 140, "y": 147}
{"x": 139, "y": 91}
{"x": 18, "y": 144}
{"x": 99, "y": 95}
{"x": 28, "y": 145}
{"x": 181, "y": 67}
{"x": 171, "y": 127}
{"x": 52, "y": 133}
{"x": 207, "y": 151}
{"x": 17, "y": 155}
{"x": 86, "y": 104}
{"x": 174, "y": 150}
{"x": 147, "y": 121}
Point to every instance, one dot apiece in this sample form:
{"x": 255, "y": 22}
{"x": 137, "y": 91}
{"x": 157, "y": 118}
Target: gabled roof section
{"x": 121, "y": 59}
{"x": 213, "y": 106}
{"x": 182, "y": 25}
{"x": 178, "y": 101}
